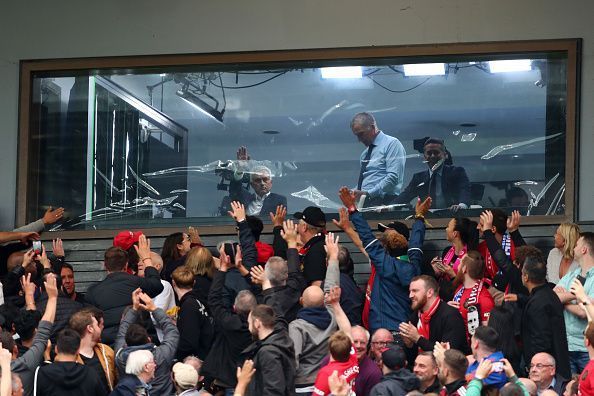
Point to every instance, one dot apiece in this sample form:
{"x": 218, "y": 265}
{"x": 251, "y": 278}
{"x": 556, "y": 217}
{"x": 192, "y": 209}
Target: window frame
{"x": 30, "y": 67}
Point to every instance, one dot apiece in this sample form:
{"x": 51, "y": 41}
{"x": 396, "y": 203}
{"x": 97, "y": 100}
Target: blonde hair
{"x": 570, "y": 233}
{"x": 200, "y": 262}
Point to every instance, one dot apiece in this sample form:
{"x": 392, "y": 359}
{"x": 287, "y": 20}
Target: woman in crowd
{"x": 175, "y": 248}
{"x": 201, "y": 263}
{"x": 463, "y": 236}
{"x": 560, "y": 260}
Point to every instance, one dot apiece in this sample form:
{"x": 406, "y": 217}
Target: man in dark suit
{"x": 262, "y": 201}
{"x": 543, "y": 324}
{"x": 447, "y": 185}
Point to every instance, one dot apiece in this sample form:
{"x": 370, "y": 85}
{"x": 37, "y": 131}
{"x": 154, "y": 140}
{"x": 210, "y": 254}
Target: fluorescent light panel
{"x": 342, "y": 72}
{"x": 424, "y": 69}
{"x": 512, "y": 65}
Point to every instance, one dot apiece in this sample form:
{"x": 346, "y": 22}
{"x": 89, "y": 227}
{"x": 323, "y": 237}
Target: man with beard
{"x": 432, "y": 320}
{"x": 272, "y": 353}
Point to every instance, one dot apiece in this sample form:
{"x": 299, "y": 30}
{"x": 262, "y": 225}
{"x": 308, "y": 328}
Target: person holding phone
{"x": 484, "y": 347}
{"x": 575, "y": 317}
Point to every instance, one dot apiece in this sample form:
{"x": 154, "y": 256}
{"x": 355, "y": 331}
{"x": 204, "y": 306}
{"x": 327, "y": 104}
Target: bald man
{"x": 380, "y": 339}
{"x": 313, "y": 327}
{"x": 543, "y": 372}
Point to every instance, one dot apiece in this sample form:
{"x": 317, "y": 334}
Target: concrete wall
{"x": 38, "y": 29}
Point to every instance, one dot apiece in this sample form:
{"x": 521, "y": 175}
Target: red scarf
{"x": 367, "y": 305}
{"x": 425, "y": 318}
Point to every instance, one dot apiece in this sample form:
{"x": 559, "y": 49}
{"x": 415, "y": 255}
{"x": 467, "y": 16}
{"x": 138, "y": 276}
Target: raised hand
{"x": 484, "y": 369}
{"x": 343, "y": 221}
{"x": 144, "y": 250}
{"x": 258, "y": 275}
{"x": 513, "y": 221}
{"x": 194, "y": 235}
{"x": 58, "y": 248}
{"x": 51, "y": 287}
{"x": 51, "y": 216}
{"x": 348, "y": 198}
{"x": 507, "y": 368}
{"x": 331, "y": 246}
{"x": 28, "y": 286}
{"x": 224, "y": 260}
{"x": 242, "y": 154}
{"x": 146, "y": 302}
{"x": 244, "y": 375}
{"x": 237, "y": 211}
{"x": 136, "y": 299}
{"x": 25, "y": 237}
{"x": 333, "y": 296}
{"x": 43, "y": 258}
{"x": 279, "y": 217}
{"x": 486, "y": 222}
{"x": 422, "y": 207}
{"x": 28, "y": 258}
{"x": 289, "y": 233}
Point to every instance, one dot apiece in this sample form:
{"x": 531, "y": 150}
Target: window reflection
{"x": 154, "y": 149}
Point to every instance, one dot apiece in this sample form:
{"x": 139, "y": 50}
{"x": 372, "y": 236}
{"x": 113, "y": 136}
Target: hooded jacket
{"x": 310, "y": 333}
{"x": 196, "y": 327}
{"x": 390, "y": 304}
{"x": 164, "y": 353}
{"x": 396, "y": 383}
{"x": 274, "y": 361}
{"x": 65, "y": 379}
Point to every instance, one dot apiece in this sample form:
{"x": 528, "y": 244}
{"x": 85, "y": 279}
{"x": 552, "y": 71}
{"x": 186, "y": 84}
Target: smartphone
{"x": 498, "y": 367}
{"x": 37, "y": 249}
{"x": 230, "y": 249}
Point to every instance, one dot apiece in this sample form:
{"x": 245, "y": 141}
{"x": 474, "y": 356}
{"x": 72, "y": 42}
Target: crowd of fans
{"x": 248, "y": 318}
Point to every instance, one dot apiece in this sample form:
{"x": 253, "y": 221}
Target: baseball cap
{"x": 393, "y": 357}
{"x": 185, "y": 375}
{"x": 397, "y": 226}
{"x": 313, "y": 216}
{"x": 126, "y": 239}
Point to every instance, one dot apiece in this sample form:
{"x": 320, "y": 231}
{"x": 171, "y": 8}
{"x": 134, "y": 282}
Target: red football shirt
{"x": 347, "y": 370}
{"x": 586, "y": 387}
{"x": 485, "y": 304}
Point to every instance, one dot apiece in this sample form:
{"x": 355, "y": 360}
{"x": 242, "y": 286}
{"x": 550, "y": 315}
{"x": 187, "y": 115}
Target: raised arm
{"x": 151, "y": 283}
{"x": 345, "y": 225}
{"x": 278, "y": 243}
{"x": 503, "y": 262}
{"x": 246, "y": 238}
{"x": 332, "y": 299}
{"x": 223, "y": 316}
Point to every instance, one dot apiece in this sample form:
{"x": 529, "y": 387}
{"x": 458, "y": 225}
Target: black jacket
{"x": 274, "y": 361}
{"x": 286, "y": 298}
{"x": 238, "y": 193}
{"x": 232, "y": 336}
{"x": 196, "y": 328}
{"x": 396, "y": 383}
{"x": 446, "y": 325}
{"x": 543, "y": 328}
{"x": 454, "y": 186}
{"x": 67, "y": 378}
{"x": 113, "y": 294}
{"x": 64, "y": 310}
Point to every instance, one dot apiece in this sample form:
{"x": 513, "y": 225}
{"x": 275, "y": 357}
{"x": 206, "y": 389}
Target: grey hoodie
{"x": 396, "y": 383}
{"x": 25, "y": 365}
{"x": 311, "y": 342}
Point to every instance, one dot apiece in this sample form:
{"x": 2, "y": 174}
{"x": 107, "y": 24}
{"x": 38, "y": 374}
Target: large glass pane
{"x": 161, "y": 146}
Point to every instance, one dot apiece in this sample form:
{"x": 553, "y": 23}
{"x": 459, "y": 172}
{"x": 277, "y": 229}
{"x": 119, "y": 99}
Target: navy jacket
{"x": 238, "y": 193}
{"x": 390, "y": 304}
{"x": 455, "y": 186}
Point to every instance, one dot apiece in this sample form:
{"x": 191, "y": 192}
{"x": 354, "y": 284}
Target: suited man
{"x": 447, "y": 185}
{"x": 262, "y": 201}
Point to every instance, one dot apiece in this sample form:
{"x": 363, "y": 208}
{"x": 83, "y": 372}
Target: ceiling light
{"x": 424, "y": 69}
{"x": 342, "y": 72}
{"x": 512, "y": 65}
{"x": 201, "y": 105}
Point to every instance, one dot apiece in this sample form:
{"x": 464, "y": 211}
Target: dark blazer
{"x": 455, "y": 186}
{"x": 543, "y": 328}
{"x": 239, "y": 193}
{"x": 446, "y": 325}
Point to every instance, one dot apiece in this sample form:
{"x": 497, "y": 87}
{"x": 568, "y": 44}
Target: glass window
{"x": 173, "y": 145}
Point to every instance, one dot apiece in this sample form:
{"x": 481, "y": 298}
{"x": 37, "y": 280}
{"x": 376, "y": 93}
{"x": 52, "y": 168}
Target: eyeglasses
{"x": 540, "y": 365}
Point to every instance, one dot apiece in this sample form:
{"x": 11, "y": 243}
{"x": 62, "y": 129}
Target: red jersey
{"x": 347, "y": 370}
{"x": 586, "y": 387}
{"x": 485, "y": 304}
